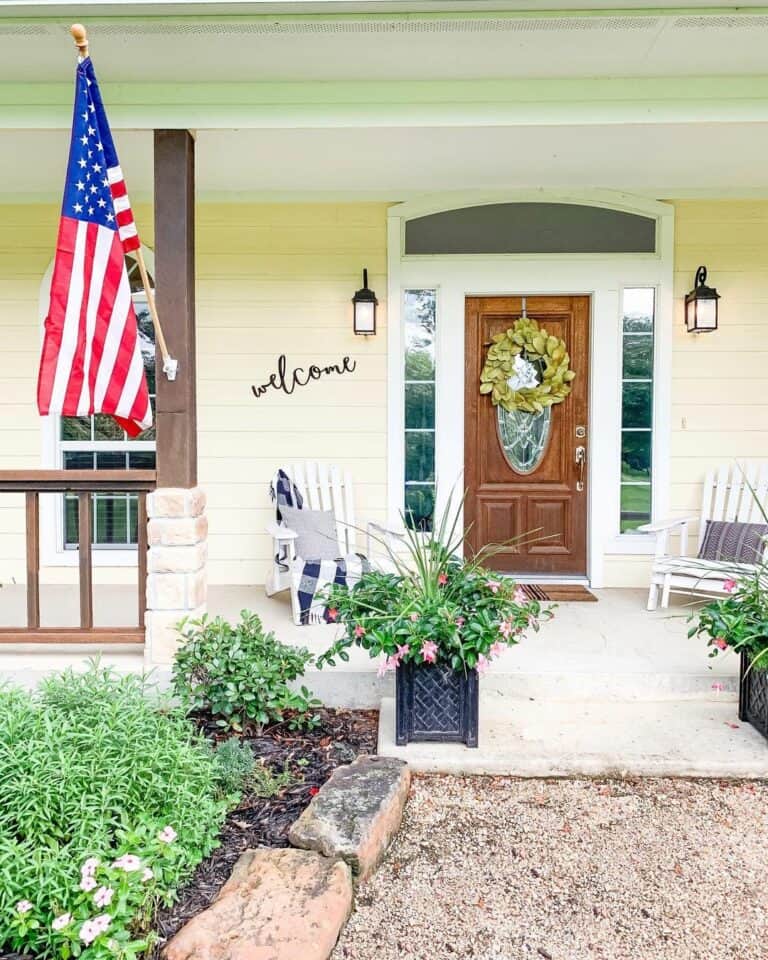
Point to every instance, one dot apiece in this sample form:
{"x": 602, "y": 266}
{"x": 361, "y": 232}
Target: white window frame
{"x": 600, "y": 276}
{"x": 53, "y": 552}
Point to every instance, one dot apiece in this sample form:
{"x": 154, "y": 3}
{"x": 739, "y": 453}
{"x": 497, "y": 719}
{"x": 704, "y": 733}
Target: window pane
{"x": 636, "y": 456}
{"x": 111, "y": 519}
{"x": 111, "y": 460}
{"x": 638, "y": 357}
{"x": 75, "y": 428}
{"x": 141, "y": 460}
{"x": 636, "y": 405}
{"x": 420, "y": 406}
{"x": 106, "y": 428}
{"x": 638, "y": 309}
{"x": 419, "y": 507}
{"x": 420, "y": 456}
{"x": 146, "y": 343}
{"x": 635, "y": 507}
{"x": 70, "y": 520}
{"x": 420, "y": 313}
{"x": 77, "y": 460}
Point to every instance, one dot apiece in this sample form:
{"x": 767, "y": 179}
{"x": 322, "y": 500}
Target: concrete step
{"x": 561, "y": 738}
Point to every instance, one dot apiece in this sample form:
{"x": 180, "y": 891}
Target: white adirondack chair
{"x": 322, "y": 487}
{"x": 726, "y": 496}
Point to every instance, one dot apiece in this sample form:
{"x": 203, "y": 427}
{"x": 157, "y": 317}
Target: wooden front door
{"x": 539, "y": 498}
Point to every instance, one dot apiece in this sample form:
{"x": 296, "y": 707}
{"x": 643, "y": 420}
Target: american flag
{"x": 91, "y": 360}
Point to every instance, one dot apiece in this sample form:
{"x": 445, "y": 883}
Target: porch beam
{"x": 175, "y": 293}
{"x": 337, "y": 104}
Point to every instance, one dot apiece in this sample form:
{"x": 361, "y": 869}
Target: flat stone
{"x": 356, "y": 813}
{"x": 277, "y": 905}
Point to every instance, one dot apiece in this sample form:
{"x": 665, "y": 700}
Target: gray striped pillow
{"x": 733, "y": 542}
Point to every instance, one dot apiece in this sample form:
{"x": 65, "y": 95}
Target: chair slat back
{"x": 327, "y": 487}
{"x": 727, "y": 494}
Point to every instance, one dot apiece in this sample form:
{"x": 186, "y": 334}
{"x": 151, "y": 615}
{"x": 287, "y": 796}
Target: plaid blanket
{"x": 312, "y": 577}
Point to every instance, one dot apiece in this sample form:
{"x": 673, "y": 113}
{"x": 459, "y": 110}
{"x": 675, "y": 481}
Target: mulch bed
{"x": 311, "y": 756}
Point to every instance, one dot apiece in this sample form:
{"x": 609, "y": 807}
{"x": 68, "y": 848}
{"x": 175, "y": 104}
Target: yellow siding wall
{"x": 719, "y": 381}
{"x": 272, "y": 279}
{"x": 278, "y": 279}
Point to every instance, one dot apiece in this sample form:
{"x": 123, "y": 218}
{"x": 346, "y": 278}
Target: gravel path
{"x": 501, "y": 869}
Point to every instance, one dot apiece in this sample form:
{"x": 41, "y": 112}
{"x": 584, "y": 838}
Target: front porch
{"x": 611, "y": 650}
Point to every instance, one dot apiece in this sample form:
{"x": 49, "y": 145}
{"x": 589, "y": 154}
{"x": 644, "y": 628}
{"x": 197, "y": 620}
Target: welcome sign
{"x": 300, "y": 376}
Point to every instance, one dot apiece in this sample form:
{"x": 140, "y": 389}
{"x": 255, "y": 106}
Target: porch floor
{"x": 613, "y": 650}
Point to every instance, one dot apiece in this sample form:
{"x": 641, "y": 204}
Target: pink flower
{"x": 429, "y": 651}
{"x": 88, "y": 932}
{"x": 360, "y": 631}
{"x": 147, "y": 875}
{"x": 519, "y": 598}
{"x": 103, "y": 896}
{"x": 167, "y": 835}
{"x": 23, "y": 906}
{"x": 497, "y": 649}
{"x": 102, "y": 922}
{"x": 717, "y": 687}
{"x": 482, "y": 664}
{"x": 128, "y": 862}
{"x": 413, "y": 617}
{"x": 63, "y": 920}
{"x": 388, "y": 663}
{"x": 87, "y": 883}
{"x": 505, "y": 628}
{"x": 720, "y": 642}
{"x": 402, "y": 651}
{"x": 460, "y": 621}
{"x": 729, "y": 586}
{"x": 333, "y": 614}
{"x": 442, "y": 579}
{"x": 89, "y": 867}
{"x": 493, "y": 585}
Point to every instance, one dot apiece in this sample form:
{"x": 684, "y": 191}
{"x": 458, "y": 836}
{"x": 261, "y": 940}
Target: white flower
{"x": 524, "y": 376}
{"x": 167, "y": 835}
{"x": 62, "y": 921}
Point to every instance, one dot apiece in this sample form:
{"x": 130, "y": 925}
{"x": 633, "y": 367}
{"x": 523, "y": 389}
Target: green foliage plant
{"x": 241, "y": 675}
{"x": 433, "y": 607}
{"x": 104, "y": 789}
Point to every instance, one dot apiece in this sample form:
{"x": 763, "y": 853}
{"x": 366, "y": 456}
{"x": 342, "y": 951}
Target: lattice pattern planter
{"x": 753, "y": 696}
{"x": 436, "y": 703}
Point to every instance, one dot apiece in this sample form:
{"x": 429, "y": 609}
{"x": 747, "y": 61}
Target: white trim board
{"x": 601, "y": 277}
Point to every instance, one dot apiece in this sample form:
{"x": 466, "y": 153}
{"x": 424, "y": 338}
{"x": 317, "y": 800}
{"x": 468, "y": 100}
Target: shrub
{"x": 100, "y": 787}
{"x": 240, "y": 674}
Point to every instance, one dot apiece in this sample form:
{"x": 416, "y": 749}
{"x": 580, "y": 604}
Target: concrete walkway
{"x": 556, "y": 738}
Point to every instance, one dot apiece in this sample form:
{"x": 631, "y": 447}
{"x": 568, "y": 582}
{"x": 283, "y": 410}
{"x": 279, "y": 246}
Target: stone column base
{"x": 177, "y": 582}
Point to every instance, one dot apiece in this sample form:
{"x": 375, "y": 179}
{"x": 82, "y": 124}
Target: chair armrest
{"x": 278, "y": 532}
{"x": 666, "y": 524}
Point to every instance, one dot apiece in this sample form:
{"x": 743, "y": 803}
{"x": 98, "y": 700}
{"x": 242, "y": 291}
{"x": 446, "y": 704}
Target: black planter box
{"x": 435, "y": 703}
{"x": 753, "y": 696}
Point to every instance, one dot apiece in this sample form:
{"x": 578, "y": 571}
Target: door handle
{"x": 581, "y": 460}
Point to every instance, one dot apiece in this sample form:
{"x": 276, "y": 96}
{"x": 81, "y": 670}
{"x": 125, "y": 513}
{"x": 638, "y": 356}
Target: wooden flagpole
{"x": 170, "y": 366}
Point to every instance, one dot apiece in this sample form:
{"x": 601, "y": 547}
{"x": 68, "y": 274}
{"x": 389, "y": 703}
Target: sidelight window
{"x": 420, "y": 310}
{"x": 638, "y": 318}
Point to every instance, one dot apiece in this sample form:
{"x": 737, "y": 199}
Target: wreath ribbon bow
{"x": 526, "y": 368}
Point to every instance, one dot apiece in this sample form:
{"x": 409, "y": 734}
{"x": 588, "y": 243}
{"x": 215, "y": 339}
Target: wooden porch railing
{"x": 84, "y": 483}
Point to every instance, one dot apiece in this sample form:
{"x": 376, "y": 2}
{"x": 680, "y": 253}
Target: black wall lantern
{"x": 365, "y": 303}
{"x": 701, "y": 305}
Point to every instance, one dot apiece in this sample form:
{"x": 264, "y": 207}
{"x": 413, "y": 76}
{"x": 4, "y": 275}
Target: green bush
{"x": 102, "y": 785}
{"x": 240, "y": 674}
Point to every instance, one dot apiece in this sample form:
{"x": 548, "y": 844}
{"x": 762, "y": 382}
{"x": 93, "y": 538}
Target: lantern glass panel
{"x": 365, "y": 316}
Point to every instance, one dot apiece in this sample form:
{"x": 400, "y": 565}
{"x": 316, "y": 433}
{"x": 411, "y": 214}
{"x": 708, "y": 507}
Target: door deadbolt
{"x": 581, "y": 432}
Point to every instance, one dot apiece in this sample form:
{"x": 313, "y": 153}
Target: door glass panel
{"x": 420, "y": 456}
{"x": 635, "y": 456}
{"x": 636, "y": 406}
{"x": 638, "y": 357}
{"x": 635, "y": 506}
{"x": 523, "y": 437}
{"x": 419, "y": 406}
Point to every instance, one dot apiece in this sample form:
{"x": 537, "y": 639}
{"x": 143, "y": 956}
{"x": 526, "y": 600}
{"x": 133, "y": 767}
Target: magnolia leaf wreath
{"x": 526, "y": 369}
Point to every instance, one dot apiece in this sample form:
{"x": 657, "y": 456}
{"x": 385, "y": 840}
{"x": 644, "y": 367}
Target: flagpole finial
{"x": 80, "y": 37}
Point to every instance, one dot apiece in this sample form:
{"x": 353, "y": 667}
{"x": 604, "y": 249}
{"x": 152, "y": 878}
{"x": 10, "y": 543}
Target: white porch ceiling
{"x": 477, "y": 44}
{"x": 671, "y": 160}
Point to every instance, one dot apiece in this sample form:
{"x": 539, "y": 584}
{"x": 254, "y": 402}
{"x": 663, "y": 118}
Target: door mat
{"x": 558, "y": 592}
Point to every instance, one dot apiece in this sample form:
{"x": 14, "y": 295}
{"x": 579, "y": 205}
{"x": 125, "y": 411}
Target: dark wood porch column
{"x": 175, "y": 285}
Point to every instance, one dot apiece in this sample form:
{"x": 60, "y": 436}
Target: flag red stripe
{"x": 54, "y": 326}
